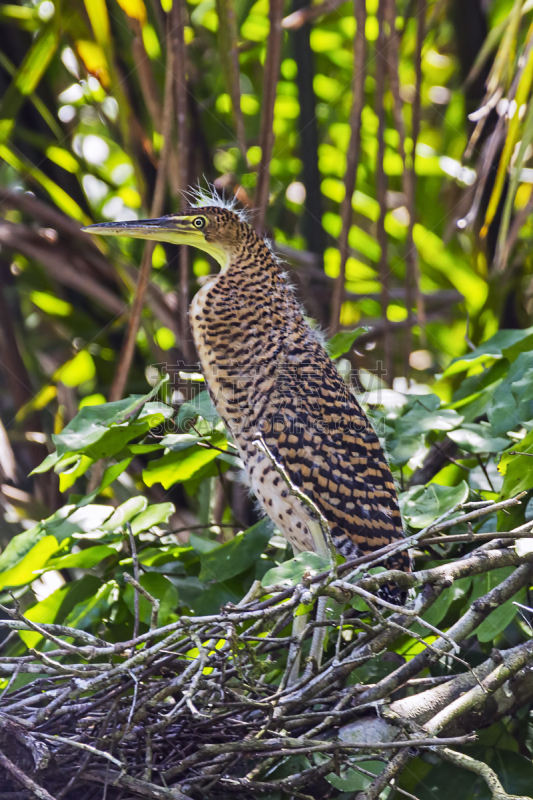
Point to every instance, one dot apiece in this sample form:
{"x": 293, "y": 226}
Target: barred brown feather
{"x": 269, "y": 374}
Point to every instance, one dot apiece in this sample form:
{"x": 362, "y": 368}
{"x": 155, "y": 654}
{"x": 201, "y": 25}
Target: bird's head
{"x": 216, "y": 230}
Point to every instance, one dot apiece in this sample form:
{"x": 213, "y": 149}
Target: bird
{"x": 271, "y": 381}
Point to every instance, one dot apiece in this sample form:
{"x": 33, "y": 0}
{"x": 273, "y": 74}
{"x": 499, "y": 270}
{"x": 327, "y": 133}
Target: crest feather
{"x": 208, "y": 195}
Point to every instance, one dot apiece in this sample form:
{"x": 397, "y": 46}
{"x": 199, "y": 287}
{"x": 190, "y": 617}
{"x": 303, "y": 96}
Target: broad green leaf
{"x": 488, "y": 351}
{"x": 89, "y": 613}
{"x": 102, "y": 431}
{"x": 426, "y": 415}
{"x": 215, "y": 596}
{"x": 24, "y": 571}
{"x": 237, "y": 555}
{"x": 421, "y": 505}
{"x": 514, "y": 770}
{"x": 79, "y": 369}
{"x": 68, "y": 478}
{"x": 439, "y": 609}
{"x": 500, "y": 618}
{"x": 200, "y": 406}
{"x": 517, "y": 469}
{"x": 183, "y": 465}
{"x": 86, "y": 559}
{"x": 44, "y": 611}
{"x": 291, "y": 572}
{"x": 124, "y": 513}
{"x": 50, "y": 461}
{"x": 476, "y": 438}
{"x": 342, "y": 342}
{"x": 153, "y": 515}
{"x": 19, "y": 547}
{"x": 202, "y": 545}
{"x": 401, "y": 450}
{"x": 350, "y": 780}
{"x": 81, "y": 520}
{"x": 180, "y": 441}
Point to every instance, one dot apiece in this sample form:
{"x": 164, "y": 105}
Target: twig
{"x": 152, "y": 600}
{"x": 381, "y": 187}
{"x": 80, "y": 746}
{"x": 136, "y": 574}
{"x": 24, "y": 779}
{"x": 354, "y": 150}
{"x": 299, "y": 18}
{"x": 481, "y": 769}
{"x": 266, "y": 140}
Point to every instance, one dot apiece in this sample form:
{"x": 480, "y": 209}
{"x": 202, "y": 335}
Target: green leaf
{"x": 342, "y": 342}
{"x": 86, "y": 559}
{"x": 237, "y": 555}
{"x": 514, "y": 770}
{"x": 180, "y": 441}
{"x": 153, "y": 515}
{"x": 44, "y": 611}
{"x": 88, "y": 613}
{"x": 291, "y": 572}
{"x": 124, "y": 513}
{"x": 19, "y": 547}
{"x": 426, "y": 415}
{"x": 350, "y": 780}
{"x": 202, "y": 545}
{"x": 102, "y": 431}
{"x": 500, "y": 618}
{"x": 183, "y": 465}
{"x": 477, "y": 438}
{"x": 421, "y": 505}
{"x": 200, "y": 406}
{"x": 439, "y": 609}
{"x": 29, "y": 74}
{"x": 488, "y": 351}
{"x": 24, "y": 571}
{"x": 518, "y": 477}
{"x": 50, "y": 461}
{"x": 82, "y": 520}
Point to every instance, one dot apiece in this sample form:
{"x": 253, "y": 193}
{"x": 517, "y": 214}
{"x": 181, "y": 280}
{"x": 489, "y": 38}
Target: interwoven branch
{"x": 185, "y": 710}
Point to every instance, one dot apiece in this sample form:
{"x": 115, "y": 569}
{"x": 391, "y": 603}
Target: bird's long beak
{"x": 171, "y": 228}
{"x": 174, "y": 228}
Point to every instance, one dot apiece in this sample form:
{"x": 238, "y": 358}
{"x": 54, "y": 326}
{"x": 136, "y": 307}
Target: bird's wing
{"x": 317, "y": 429}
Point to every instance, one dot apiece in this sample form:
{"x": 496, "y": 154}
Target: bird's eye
{"x": 199, "y": 223}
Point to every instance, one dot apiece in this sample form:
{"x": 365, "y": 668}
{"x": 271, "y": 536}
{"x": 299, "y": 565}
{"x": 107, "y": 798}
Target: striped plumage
{"x": 268, "y": 373}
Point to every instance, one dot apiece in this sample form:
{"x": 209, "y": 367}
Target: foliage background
{"x": 111, "y": 109}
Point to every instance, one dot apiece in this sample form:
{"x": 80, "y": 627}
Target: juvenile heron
{"x": 269, "y": 376}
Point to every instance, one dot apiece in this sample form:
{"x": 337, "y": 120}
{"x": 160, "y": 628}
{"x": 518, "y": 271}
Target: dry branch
{"x": 183, "y": 725}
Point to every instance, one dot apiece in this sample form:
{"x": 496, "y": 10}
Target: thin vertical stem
{"x": 408, "y": 176}
{"x": 178, "y": 17}
{"x": 381, "y": 187}
{"x": 266, "y": 139}
{"x": 303, "y": 55}
{"x": 412, "y": 253}
{"x": 128, "y": 348}
{"x": 229, "y": 58}
{"x": 354, "y": 152}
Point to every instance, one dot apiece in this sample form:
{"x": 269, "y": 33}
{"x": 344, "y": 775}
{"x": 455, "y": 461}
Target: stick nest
{"x": 204, "y": 707}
